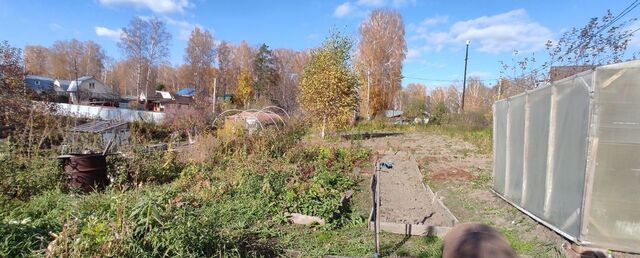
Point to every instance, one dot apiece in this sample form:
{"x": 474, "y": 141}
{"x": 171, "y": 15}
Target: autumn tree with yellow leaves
{"x": 244, "y": 91}
{"x": 381, "y": 50}
{"x": 329, "y": 87}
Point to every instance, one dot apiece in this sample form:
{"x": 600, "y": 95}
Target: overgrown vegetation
{"x": 23, "y": 177}
{"x": 168, "y": 204}
{"x": 470, "y": 127}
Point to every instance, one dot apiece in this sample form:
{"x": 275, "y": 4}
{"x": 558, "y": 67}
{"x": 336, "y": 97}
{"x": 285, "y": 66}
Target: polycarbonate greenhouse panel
{"x": 565, "y": 178}
{"x": 500, "y": 145}
{"x": 537, "y": 140}
{"x": 515, "y": 149}
{"x": 613, "y": 215}
{"x": 568, "y": 154}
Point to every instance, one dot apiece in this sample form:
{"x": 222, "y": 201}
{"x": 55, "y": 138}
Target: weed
{"x": 160, "y": 204}
{"x": 483, "y": 179}
{"x": 23, "y": 177}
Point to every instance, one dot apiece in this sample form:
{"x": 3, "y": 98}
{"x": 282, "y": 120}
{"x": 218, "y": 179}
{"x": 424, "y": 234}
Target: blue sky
{"x": 436, "y": 30}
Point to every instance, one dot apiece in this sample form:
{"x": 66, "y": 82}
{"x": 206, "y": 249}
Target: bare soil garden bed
{"x": 406, "y": 200}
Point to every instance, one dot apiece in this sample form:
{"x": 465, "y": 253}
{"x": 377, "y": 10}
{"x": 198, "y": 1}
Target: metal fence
{"x": 109, "y": 113}
{"x": 568, "y": 155}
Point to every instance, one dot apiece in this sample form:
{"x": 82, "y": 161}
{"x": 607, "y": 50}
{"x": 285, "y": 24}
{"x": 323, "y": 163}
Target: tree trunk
{"x": 146, "y": 83}
{"x": 215, "y": 91}
{"x": 139, "y": 77}
{"x": 324, "y": 126}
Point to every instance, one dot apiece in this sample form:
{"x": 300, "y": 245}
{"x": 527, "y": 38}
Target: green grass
{"x": 482, "y": 180}
{"x": 479, "y": 136}
{"x": 357, "y": 241}
{"x": 160, "y": 205}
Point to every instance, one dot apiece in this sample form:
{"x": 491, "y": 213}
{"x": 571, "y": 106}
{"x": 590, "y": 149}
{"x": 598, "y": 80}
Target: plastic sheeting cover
{"x": 515, "y": 148}
{"x": 567, "y": 154}
{"x": 500, "y": 145}
{"x": 537, "y": 139}
{"x": 614, "y": 214}
{"x": 545, "y": 156}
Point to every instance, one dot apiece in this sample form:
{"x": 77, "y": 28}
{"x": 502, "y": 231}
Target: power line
{"x": 624, "y": 12}
{"x": 614, "y": 20}
{"x": 442, "y": 80}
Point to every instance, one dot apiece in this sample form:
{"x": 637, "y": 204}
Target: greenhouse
{"x": 568, "y": 155}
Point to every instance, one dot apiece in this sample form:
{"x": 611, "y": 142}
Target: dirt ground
{"x": 460, "y": 177}
{"x": 403, "y": 197}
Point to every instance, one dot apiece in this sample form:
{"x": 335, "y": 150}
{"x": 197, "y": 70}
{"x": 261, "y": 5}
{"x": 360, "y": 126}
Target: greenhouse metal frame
{"x": 568, "y": 155}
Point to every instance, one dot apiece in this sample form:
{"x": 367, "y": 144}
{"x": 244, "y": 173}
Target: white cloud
{"x": 413, "y": 53}
{"x": 113, "y": 34}
{"x": 438, "y": 19}
{"x": 479, "y": 74}
{"x": 372, "y": 3}
{"x": 489, "y": 34}
{"x": 361, "y": 7}
{"x": 184, "y": 28}
{"x": 157, "y": 6}
{"x": 400, "y": 3}
{"x": 381, "y": 3}
{"x": 343, "y": 9}
{"x": 54, "y": 26}
{"x": 421, "y": 28}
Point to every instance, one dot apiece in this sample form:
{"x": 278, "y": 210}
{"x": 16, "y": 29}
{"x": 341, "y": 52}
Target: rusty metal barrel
{"x": 86, "y": 172}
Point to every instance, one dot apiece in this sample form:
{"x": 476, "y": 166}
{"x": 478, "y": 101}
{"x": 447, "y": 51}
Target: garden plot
{"x": 459, "y": 173}
{"x": 407, "y": 205}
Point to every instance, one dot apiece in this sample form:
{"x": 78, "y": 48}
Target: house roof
{"x": 38, "y": 83}
{"x": 164, "y": 94}
{"x": 38, "y": 77}
{"x": 74, "y": 84}
{"x": 98, "y": 126}
{"x": 62, "y": 84}
{"x": 183, "y": 100}
{"x": 186, "y": 92}
{"x": 158, "y": 96}
{"x": 560, "y": 72}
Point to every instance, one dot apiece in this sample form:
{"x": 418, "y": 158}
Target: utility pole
{"x": 464, "y": 80}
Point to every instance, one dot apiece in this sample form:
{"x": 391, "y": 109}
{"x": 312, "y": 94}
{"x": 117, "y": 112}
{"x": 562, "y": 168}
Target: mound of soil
{"x": 451, "y": 174}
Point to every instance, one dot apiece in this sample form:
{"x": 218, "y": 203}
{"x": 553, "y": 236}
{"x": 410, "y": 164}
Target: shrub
{"x": 141, "y": 166}
{"x": 468, "y": 119}
{"x": 23, "y": 177}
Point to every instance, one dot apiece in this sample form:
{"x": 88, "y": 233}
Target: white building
{"x": 89, "y": 90}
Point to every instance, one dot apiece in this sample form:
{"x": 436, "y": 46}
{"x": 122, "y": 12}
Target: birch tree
{"x": 36, "y": 59}
{"x": 244, "y": 91}
{"x": 146, "y": 41}
{"x": 158, "y": 49}
{"x": 225, "y": 67}
{"x": 290, "y": 65}
{"x": 328, "y": 87}
{"x": 200, "y": 55}
{"x": 134, "y": 42}
{"x": 416, "y": 100}
{"x": 381, "y": 50}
